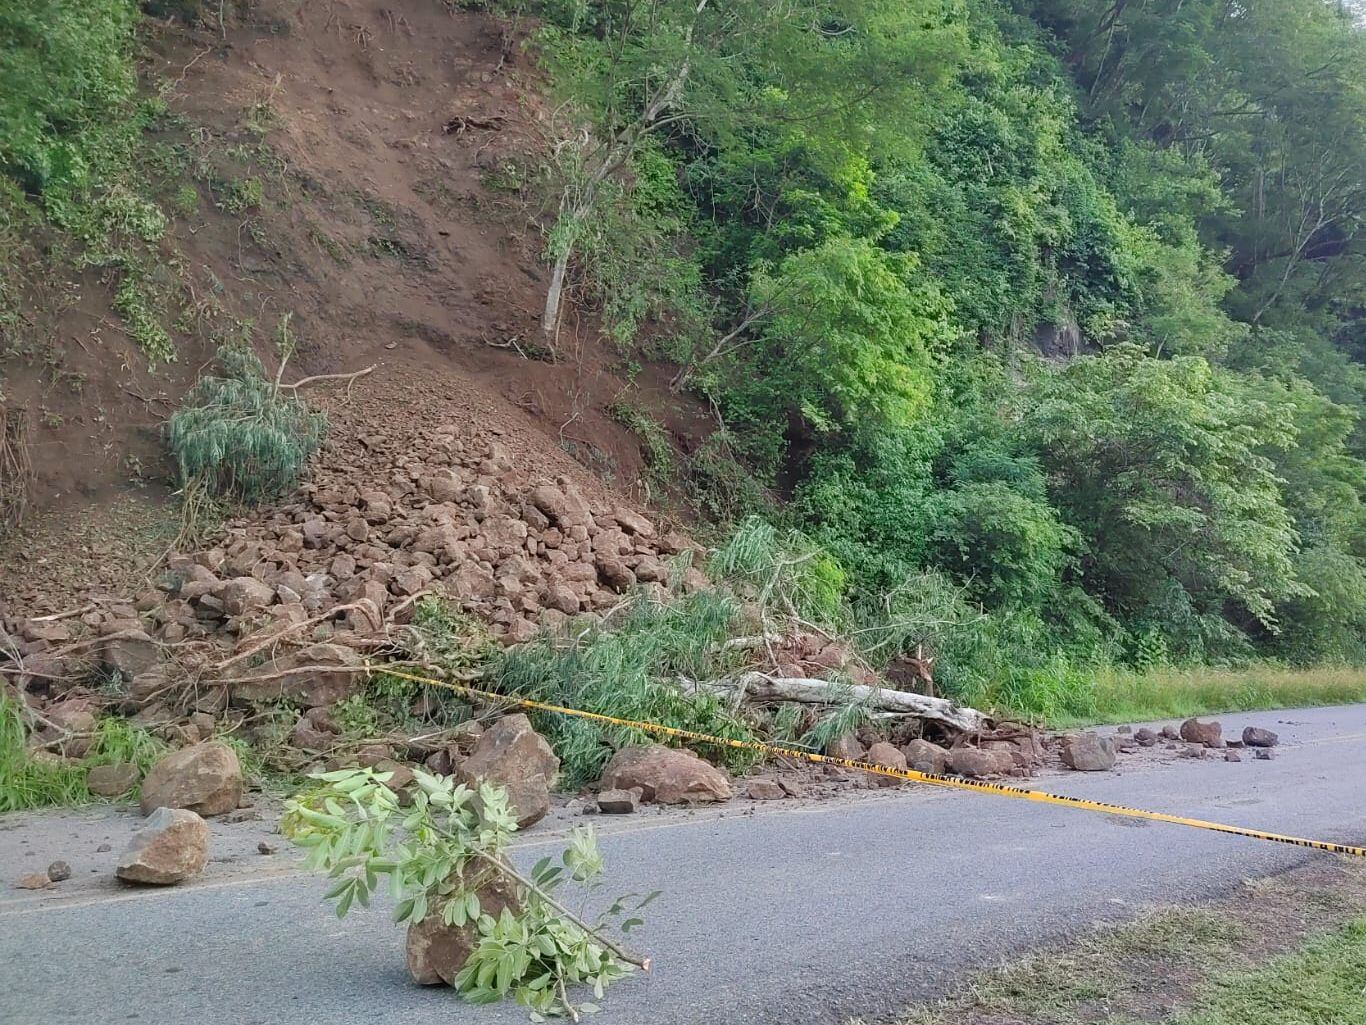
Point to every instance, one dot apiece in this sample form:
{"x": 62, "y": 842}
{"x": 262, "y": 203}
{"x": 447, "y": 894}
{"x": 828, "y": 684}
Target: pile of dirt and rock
{"x": 392, "y": 513}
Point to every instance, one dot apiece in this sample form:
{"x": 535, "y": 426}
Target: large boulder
{"x": 321, "y": 674}
{"x": 1193, "y": 731}
{"x": 924, "y": 756}
{"x": 436, "y": 951}
{"x": 1088, "y": 752}
{"x": 130, "y": 652}
{"x": 517, "y": 758}
{"x": 242, "y": 595}
{"x": 564, "y": 506}
{"x": 172, "y": 846}
{"x": 205, "y": 778}
{"x": 665, "y": 775}
{"x": 847, "y": 747}
{"x": 887, "y": 756}
{"x": 977, "y": 762}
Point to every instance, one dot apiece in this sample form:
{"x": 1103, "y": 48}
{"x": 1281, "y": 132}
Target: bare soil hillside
{"x": 362, "y": 175}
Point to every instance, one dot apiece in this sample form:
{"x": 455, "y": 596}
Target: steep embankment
{"x": 352, "y": 179}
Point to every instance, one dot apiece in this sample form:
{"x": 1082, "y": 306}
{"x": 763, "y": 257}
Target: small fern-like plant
{"x": 242, "y": 434}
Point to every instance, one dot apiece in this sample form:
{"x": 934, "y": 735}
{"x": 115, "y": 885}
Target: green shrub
{"x": 241, "y": 433}
{"x": 437, "y": 857}
{"x": 66, "y": 82}
{"x": 242, "y": 195}
{"x": 629, "y": 669}
{"x": 140, "y": 309}
{"x": 783, "y": 570}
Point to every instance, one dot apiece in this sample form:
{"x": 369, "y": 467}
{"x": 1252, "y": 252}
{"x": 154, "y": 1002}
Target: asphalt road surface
{"x": 790, "y": 913}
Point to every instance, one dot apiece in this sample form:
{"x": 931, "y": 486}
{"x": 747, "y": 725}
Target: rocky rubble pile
{"x": 455, "y": 519}
{"x": 433, "y": 513}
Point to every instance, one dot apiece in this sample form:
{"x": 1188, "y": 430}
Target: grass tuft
{"x": 29, "y": 781}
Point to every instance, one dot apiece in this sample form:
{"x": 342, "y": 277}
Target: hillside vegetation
{"x": 1042, "y": 318}
{"x": 1039, "y": 324}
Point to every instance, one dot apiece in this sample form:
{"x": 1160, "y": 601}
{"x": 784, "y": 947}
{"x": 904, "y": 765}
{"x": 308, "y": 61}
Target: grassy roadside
{"x": 1110, "y": 694}
{"x": 1290, "y": 950}
{"x": 1121, "y": 696}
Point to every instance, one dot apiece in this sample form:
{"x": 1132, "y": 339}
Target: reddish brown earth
{"x": 384, "y": 238}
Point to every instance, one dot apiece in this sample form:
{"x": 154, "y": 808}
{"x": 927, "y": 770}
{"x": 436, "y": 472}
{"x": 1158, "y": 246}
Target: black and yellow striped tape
{"x": 911, "y": 775}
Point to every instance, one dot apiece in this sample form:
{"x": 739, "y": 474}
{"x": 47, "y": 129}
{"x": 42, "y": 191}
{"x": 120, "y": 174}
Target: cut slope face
{"x": 361, "y": 171}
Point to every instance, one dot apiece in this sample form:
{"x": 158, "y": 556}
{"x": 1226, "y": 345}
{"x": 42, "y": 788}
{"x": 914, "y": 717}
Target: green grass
{"x": 1119, "y": 696}
{"x": 26, "y": 782}
{"x": 1112, "y": 975}
{"x": 1064, "y": 985}
{"x": 1323, "y": 983}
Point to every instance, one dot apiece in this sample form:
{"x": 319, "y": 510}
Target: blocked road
{"x": 798, "y": 913}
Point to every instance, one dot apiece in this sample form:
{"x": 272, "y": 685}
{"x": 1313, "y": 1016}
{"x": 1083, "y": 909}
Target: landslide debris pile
{"x": 289, "y": 602}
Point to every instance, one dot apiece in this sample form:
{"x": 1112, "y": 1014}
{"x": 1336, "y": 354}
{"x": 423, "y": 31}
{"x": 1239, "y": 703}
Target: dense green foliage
{"x": 1044, "y": 316}
{"x": 241, "y": 433}
{"x": 71, "y": 124}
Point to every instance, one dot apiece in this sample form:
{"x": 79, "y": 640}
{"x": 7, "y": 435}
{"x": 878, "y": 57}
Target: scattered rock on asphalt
{"x": 1194, "y": 731}
{"x": 1088, "y": 752}
{"x": 1255, "y": 736}
{"x": 619, "y": 802}
{"x": 59, "y": 871}
{"x": 517, "y": 758}
{"x": 1169, "y": 733}
{"x": 112, "y": 780}
{"x": 436, "y": 951}
{"x": 1144, "y": 737}
{"x": 171, "y": 847}
{"x": 265, "y": 848}
{"x": 764, "y": 790}
{"x": 1193, "y": 751}
{"x": 33, "y": 881}
{"x": 1232, "y": 756}
{"x": 1264, "y": 753}
{"x": 204, "y": 778}
{"x": 665, "y": 775}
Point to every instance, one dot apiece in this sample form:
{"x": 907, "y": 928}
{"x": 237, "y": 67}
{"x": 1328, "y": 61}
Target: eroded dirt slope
{"x": 383, "y": 235}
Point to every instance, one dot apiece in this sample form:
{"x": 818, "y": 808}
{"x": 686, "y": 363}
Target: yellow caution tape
{"x": 911, "y": 775}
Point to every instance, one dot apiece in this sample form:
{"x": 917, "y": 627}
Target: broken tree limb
{"x": 827, "y": 692}
{"x": 348, "y": 378}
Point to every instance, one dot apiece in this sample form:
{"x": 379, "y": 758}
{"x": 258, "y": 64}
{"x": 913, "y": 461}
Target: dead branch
{"x": 55, "y": 616}
{"x": 349, "y": 378}
{"x": 825, "y": 692}
{"x": 294, "y": 628}
{"x": 462, "y": 123}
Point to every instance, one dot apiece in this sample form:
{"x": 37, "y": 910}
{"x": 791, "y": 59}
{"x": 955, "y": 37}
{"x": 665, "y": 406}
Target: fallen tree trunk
{"x": 826, "y": 692}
